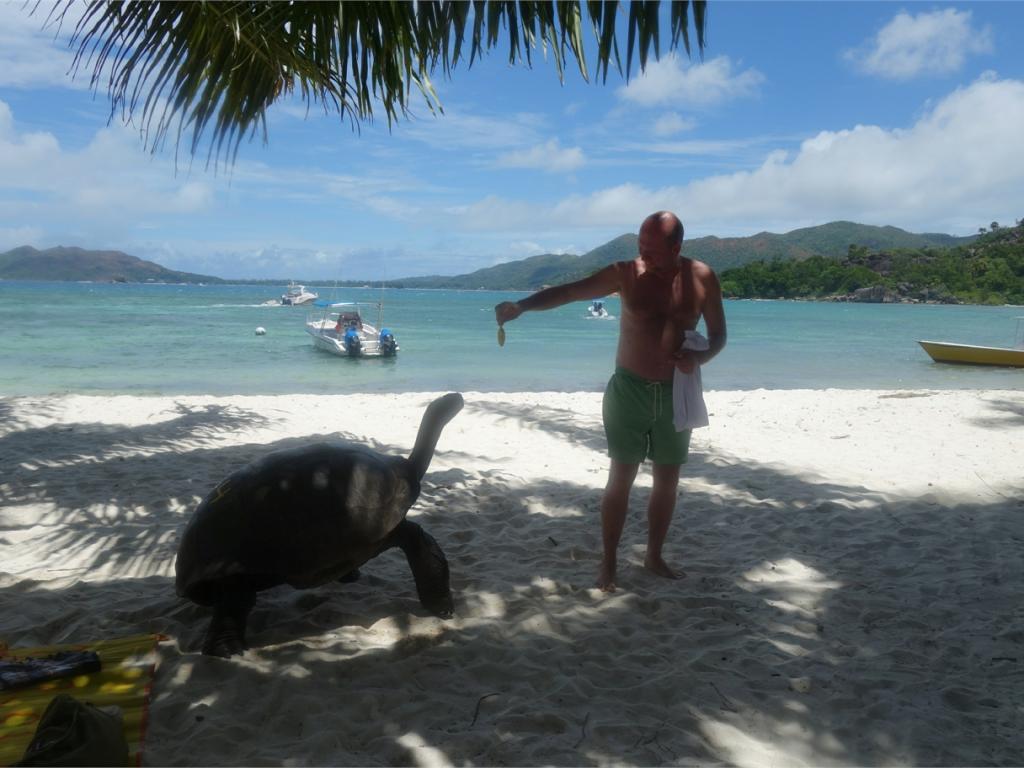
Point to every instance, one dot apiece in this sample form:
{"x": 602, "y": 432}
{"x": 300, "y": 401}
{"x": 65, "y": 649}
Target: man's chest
{"x": 661, "y": 299}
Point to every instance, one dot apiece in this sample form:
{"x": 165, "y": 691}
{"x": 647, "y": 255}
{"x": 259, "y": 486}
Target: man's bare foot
{"x": 659, "y": 567}
{"x": 606, "y": 577}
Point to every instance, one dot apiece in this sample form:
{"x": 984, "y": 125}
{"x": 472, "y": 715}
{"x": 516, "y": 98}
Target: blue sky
{"x": 801, "y": 113}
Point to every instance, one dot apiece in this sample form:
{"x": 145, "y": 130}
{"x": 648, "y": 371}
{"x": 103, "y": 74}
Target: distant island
{"x": 839, "y": 261}
{"x": 829, "y": 240}
{"x": 79, "y": 264}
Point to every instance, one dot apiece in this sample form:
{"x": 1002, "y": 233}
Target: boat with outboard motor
{"x": 296, "y": 295}
{"x": 340, "y": 328}
{"x": 597, "y": 310}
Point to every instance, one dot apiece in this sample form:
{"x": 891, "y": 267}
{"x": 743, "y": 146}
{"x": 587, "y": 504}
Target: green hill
{"x": 536, "y": 270}
{"x": 830, "y": 240}
{"x": 60, "y": 263}
{"x": 988, "y": 270}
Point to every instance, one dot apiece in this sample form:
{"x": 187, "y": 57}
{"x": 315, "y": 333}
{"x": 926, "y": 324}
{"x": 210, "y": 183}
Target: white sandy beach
{"x": 853, "y": 596}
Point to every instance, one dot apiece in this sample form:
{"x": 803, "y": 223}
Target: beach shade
{"x": 123, "y": 680}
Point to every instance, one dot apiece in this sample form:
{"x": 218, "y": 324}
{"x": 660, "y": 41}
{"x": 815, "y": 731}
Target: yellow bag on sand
{"x": 124, "y": 680}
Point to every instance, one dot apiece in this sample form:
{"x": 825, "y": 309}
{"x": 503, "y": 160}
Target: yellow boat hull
{"x": 944, "y": 352}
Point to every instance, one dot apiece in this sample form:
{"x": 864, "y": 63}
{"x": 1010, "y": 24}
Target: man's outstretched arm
{"x": 599, "y": 284}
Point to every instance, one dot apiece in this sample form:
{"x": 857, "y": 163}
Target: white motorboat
{"x": 341, "y": 329}
{"x": 297, "y": 294}
{"x": 597, "y": 310}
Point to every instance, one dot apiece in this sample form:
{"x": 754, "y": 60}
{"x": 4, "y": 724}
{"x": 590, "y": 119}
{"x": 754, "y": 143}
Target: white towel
{"x": 688, "y": 407}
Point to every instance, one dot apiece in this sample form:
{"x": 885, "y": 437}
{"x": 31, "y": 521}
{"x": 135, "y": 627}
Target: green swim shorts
{"x": 638, "y": 421}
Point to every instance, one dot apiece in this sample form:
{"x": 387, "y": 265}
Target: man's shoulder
{"x": 621, "y": 269}
{"x": 699, "y": 268}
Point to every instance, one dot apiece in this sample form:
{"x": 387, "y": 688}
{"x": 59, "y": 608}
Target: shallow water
{"x": 171, "y": 339}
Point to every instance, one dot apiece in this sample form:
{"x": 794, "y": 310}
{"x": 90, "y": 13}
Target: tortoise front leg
{"x": 428, "y": 564}
{"x": 225, "y": 636}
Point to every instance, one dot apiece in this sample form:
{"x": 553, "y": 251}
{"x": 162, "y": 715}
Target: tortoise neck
{"x": 437, "y": 415}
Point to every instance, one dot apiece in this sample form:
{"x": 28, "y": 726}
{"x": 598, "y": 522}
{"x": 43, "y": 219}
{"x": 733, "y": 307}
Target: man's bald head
{"x": 660, "y": 240}
{"x": 666, "y": 224}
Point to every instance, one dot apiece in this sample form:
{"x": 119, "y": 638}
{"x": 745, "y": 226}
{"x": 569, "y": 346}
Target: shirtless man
{"x": 663, "y": 295}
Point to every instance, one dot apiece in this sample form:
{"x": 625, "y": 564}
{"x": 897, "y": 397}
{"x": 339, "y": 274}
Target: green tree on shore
{"x": 988, "y": 271}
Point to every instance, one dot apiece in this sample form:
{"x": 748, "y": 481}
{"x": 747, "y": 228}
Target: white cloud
{"x": 32, "y": 56}
{"x": 254, "y": 259}
{"x": 456, "y": 129}
{"x": 376, "y": 194}
{"x": 671, "y": 124}
{"x": 930, "y": 43}
{"x": 310, "y": 183}
{"x": 324, "y": 263}
{"x": 958, "y": 165}
{"x": 111, "y": 181}
{"x": 672, "y": 81}
{"x": 550, "y": 157}
{"x": 524, "y": 248}
{"x": 700, "y": 147}
{"x": 391, "y": 193}
{"x": 494, "y": 213}
{"x": 296, "y": 110}
{"x": 12, "y": 237}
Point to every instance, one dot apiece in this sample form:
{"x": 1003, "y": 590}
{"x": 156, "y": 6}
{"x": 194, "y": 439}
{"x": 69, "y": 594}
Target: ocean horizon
{"x": 170, "y": 339}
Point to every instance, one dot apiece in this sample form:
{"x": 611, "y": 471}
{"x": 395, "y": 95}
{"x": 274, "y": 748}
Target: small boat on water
{"x": 297, "y": 295}
{"x": 945, "y": 352}
{"x": 597, "y": 310}
{"x": 972, "y": 354}
{"x": 341, "y": 329}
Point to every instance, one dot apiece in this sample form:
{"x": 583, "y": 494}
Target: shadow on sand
{"x": 904, "y": 664}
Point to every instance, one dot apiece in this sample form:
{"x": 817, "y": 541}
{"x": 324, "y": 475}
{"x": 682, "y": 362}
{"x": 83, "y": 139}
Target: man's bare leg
{"x": 613, "y": 517}
{"x": 659, "y": 516}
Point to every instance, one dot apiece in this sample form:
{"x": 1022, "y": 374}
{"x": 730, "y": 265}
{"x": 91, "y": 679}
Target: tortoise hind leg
{"x": 225, "y": 636}
{"x": 429, "y": 567}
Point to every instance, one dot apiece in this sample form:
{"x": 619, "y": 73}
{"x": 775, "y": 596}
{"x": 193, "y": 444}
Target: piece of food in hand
{"x": 501, "y": 336}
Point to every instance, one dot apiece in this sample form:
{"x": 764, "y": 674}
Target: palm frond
{"x": 214, "y": 68}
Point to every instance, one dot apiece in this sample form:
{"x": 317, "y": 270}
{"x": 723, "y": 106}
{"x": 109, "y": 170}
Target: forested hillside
{"x": 990, "y": 270}
{"x": 60, "y": 263}
{"x": 721, "y": 253}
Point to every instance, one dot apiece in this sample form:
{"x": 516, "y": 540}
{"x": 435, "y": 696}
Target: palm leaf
{"x": 214, "y": 68}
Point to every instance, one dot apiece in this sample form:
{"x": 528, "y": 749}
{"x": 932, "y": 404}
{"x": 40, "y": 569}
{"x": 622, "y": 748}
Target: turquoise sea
{"x": 94, "y": 338}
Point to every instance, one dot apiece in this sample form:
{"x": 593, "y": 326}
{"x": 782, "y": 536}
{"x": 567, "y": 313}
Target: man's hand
{"x": 686, "y": 360}
{"x": 507, "y": 310}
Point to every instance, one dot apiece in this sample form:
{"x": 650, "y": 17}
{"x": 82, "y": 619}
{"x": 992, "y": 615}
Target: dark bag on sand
{"x": 72, "y": 732}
